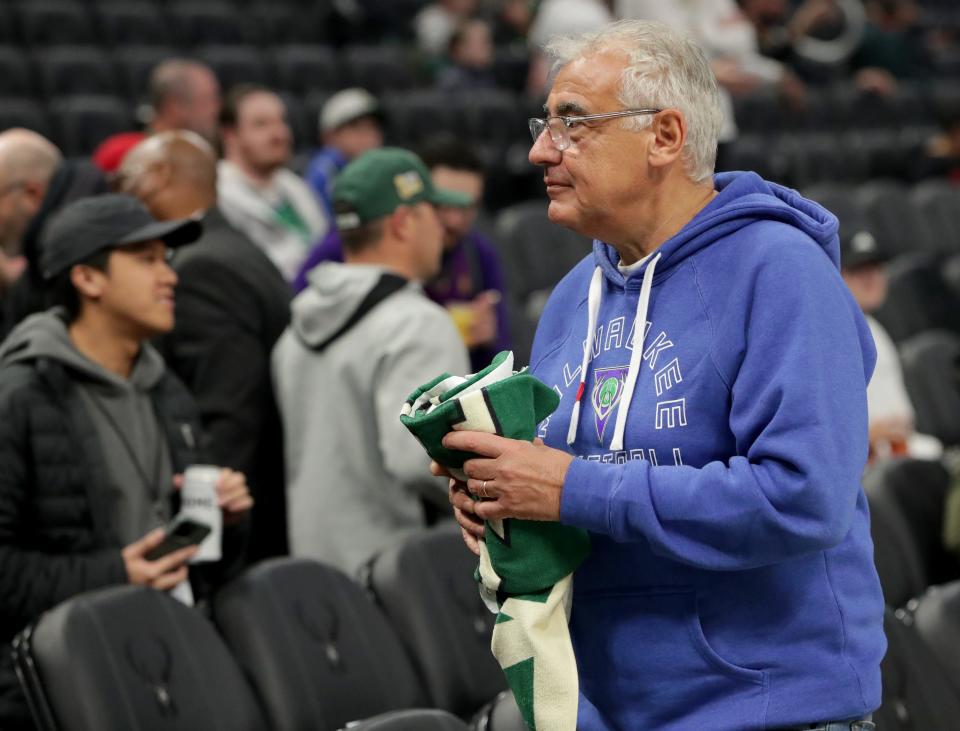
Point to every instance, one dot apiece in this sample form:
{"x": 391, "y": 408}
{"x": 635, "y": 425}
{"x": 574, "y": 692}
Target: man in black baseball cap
{"x": 93, "y": 427}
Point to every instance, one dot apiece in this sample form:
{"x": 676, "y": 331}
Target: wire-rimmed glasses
{"x": 560, "y": 126}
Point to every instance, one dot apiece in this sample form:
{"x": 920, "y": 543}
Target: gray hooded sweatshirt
{"x": 135, "y": 454}
{"x": 355, "y": 475}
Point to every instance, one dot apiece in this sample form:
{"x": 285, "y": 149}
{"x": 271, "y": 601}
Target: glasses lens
{"x": 536, "y": 127}
{"x": 559, "y": 134}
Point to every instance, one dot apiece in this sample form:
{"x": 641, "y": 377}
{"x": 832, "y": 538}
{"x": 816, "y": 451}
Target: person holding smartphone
{"x": 94, "y": 431}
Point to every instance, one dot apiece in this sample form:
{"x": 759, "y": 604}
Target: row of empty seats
{"x": 300, "y": 646}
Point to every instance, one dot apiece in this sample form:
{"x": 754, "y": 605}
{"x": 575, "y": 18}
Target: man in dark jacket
{"x": 232, "y": 305}
{"x": 93, "y": 429}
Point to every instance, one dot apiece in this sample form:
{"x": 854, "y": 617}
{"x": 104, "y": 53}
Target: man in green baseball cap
{"x": 361, "y": 336}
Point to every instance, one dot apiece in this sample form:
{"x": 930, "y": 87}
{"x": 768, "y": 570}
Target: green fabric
{"x": 288, "y": 217}
{"x": 530, "y": 563}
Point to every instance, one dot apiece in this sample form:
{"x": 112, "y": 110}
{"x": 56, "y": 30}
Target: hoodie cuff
{"x": 585, "y": 500}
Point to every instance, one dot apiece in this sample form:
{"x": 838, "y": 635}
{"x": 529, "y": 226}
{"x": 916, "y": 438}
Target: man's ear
{"x": 669, "y": 135}
{"x": 399, "y": 223}
{"x": 88, "y": 281}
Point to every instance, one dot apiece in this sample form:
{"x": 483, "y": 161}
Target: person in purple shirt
{"x": 470, "y": 282}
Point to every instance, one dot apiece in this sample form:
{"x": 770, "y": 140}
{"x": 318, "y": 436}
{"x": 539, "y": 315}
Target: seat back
{"x": 131, "y": 658}
{"x": 895, "y": 550}
{"x": 937, "y": 618}
{"x": 317, "y": 651}
{"x": 427, "y": 590}
{"x": 415, "y": 720}
{"x": 918, "y": 298}
{"x": 916, "y": 693}
{"x": 931, "y": 371}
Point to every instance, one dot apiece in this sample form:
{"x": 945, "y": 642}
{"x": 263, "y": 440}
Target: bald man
{"x": 231, "y": 306}
{"x": 27, "y": 162}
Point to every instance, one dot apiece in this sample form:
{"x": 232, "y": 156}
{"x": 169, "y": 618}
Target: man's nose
{"x": 543, "y": 151}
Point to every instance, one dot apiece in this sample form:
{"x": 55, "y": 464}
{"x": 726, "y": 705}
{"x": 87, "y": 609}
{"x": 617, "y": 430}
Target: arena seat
{"x": 418, "y": 115}
{"x": 918, "y": 297}
{"x": 415, "y": 720}
{"x": 134, "y": 22}
{"x": 16, "y": 76}
{"x": 428, "y": 593}
{"x": 129, "y": 657}
{"x": 84, "y": 121}
{"x": 207, "y": 23}
{"x": 134, "y": 65}
{"x": 302, "y": 68}
{"x": 317, "y": 651}
{"x": 916, "y": 693}
{"x": 892, "y": 219}
{"x": 378, "y": 68}
{"x": 236, "y": 65}
{"x": 281, "y": 23}
{"x": 70, "y": 70}
{"x": 54, "y": 22}
{"x": 22, "y": 112}
{"x": 936, "y": 615}
{"x": 938, "y": 205}
{"x": 931, "y": 370}
{"x": 917, "y": 489}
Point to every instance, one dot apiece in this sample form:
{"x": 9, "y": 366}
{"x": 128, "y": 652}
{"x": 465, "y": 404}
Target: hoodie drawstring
{"x": 593, "y": 310}
{"x": 639, "y": 333}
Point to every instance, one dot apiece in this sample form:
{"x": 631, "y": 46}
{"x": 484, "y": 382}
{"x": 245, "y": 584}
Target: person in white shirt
{"x": 257, "y": 193}
{"x": 890, "y": 413}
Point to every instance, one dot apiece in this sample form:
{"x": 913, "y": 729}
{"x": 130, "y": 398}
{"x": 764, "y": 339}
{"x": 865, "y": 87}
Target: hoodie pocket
{"x": 645, "y": 661}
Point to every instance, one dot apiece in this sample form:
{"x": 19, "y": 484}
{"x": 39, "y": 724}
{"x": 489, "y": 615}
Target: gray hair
{"x": 665, "y": 69}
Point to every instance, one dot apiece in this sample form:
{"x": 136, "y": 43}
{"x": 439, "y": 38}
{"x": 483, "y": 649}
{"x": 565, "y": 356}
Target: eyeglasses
{"x": 560, "y": 126}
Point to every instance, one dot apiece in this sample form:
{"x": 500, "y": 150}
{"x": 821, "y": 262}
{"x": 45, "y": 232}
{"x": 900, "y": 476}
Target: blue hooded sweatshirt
{"x": 731, "y": 583}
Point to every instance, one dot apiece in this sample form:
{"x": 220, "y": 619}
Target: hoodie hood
{"x": 335, "y": 294}
{"x": 743, "y": 198}
{"x": 45, "y": 335}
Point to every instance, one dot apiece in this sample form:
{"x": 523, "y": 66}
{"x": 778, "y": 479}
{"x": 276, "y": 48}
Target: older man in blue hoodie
{"x": 712, "y": 428}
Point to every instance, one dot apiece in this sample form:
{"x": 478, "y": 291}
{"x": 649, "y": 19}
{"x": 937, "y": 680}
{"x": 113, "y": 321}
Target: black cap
{"x": 859, "y": 248}
{"x": 90, "y": 225}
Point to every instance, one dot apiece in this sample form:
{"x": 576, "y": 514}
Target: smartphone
{"x": 181, "y": 532}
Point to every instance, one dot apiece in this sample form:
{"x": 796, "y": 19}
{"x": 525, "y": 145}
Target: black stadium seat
{"x": 235, "y": 64}
{"x": 918, "y": 488}
{"x": 892, "y": 219}
{"x": 49, "y": 22}
{"x": 315, "y": 648}
{"x": 938, "y": 205}
{"x": 207, "y": 22}
{"x": 16, "y": 77}
{"x": 301, "y": 69}
{"x": 131, "y": 658}
{"x": 931, "y": 370}
{"x": 21, "y": 112}
{"x": 418, "y": 115}
{"x": 450, "y": 646}
{"x": 134, "y": 65}
{"x": 68, "y": 70}
{"x": 280, "y": 23}
{"x": 522, "y": 232}
{"x": 916, "y": 693}
{"x": 838, "y": 199}
{"x": 378, "y": 68}
{"x": 85, "y": 121}
{"x": 132, "y": 22}
{"x": 936, "y": 615}
{"x": 918, "y": 297}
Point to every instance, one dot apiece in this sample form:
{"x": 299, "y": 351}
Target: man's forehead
{"x": 586, "y": 85}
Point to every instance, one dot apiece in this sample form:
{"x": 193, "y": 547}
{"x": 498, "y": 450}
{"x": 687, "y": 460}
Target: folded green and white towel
{"x": 526, "y": 566}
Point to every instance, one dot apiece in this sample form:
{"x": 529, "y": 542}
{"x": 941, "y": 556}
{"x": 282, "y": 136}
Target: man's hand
{"x": 162, "y": 574}
{"x": 513, "y": 478}
{"x": 233, "y": 495}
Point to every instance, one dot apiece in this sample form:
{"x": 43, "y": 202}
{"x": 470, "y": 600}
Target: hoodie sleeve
{"x": 796, "y": 356}
{"x": 421, "y": 348}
